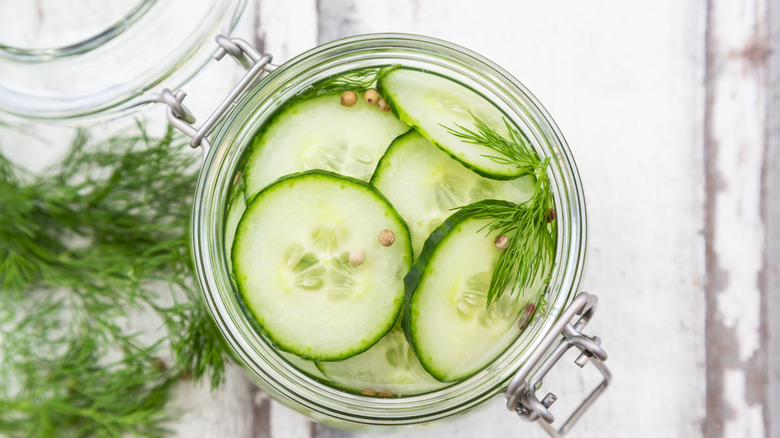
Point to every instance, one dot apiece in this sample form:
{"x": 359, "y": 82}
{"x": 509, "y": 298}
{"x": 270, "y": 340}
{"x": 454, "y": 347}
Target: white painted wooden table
{"x": 667, "y": 108}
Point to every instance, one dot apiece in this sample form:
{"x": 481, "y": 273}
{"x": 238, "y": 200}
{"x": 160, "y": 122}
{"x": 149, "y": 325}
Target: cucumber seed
{"x": 371, "y": 97}
{"x": 501, "y": 242}
{"x": 383, "y": 105}
{"x": 348, "y": 98}
{"x": 357, "y": 257}
{"x": 386, "y": 237}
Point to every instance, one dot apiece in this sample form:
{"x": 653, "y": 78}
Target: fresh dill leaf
{"x": 196, "y": 342}
{"x": 358, "y": 80}
{"x": 530, "y": 226}
{"x": 513, "y": 150}
{"x": 541, "y": 302}
{"x": 61, "y": 385}
{"x": 531, "y": 239}
{"x": 84, "y": 246}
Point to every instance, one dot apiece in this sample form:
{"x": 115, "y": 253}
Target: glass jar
{"x": 97, "y": 62}
{"x": 222, "y": 170}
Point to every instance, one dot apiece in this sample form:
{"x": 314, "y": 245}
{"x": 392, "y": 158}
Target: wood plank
{"x": 239, "y": 409}
{"x": 735, "y": 129}
{"x": 287, "y": 28}
{"x": 625, "y": 83}
{"x": 236, "y": 409}
{"x": 771, "y": 219}
{"x": 225, "y": 412}
{"x": 641, "y": 161}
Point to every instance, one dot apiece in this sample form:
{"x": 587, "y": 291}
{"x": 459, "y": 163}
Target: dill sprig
{"x": 513, "y": 150}
{"x": 357, "y": 80}
{"x": 84, "y": 246}
{"x": 530, "y": 226}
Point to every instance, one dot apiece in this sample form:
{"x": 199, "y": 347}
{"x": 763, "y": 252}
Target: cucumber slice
{"x": 429, "y": 102}
{"x": 320, "y": 133}
{"x": 291, "y": 264}
{"x": 235, "y": 210}
{"x": 389, "y": 366}
{"x": 424, "y": 184}
{"x": 307, "y": 366}
{"x": 446, "y": 318}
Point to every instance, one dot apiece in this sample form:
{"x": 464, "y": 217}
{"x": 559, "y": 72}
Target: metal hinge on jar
{"x": 182, "y": 119}
{"x": 521, "y": 392}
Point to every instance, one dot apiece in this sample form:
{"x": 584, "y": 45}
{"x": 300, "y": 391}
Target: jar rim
{"x": 285, "y": 382}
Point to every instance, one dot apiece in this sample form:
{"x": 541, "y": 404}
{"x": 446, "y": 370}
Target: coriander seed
{"x": 348, "y": 98}
{"x": 159, "y": 364}
{"x": 501, "y": 242}
{"x": 357, "y": 257}
{"x": 383, "y": 105}
{"x": 371, "y": 97}
{"x": 386, "y": 237}
{"x": 527, "y": 314}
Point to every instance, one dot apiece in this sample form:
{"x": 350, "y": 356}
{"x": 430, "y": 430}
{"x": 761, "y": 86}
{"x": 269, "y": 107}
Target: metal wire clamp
{"x": 182, "y": 119}
{"x": 521, "y": 392}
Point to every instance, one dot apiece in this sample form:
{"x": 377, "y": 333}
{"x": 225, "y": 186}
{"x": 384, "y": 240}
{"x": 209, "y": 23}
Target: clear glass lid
{"x": 91, "y": 59}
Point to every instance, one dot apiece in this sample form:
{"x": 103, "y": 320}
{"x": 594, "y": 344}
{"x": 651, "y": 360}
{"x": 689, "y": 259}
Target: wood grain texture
{"x": 289, "y": 28}
{"x": 771, "y": 217}
{"x": 735, "y": 143}
{"x": 671, "y": 111}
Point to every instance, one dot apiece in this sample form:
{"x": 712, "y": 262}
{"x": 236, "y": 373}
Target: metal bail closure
{"x": 521, "y": 391}
{"x": 182, "y": 119}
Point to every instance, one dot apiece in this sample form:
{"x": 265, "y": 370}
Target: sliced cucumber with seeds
{"x": 389, "y": 366}
{"x": 424, "y": 184}
{"x": 321, "y": 133}
{"x": 454, "y": 333}
{"x": 291, "y": 260}
{"x": 432, "y": 103}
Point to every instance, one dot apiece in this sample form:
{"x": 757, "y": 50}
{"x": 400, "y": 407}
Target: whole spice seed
{"x": 383, "y": 105}
{"x": 386, "y": 237}
{"x": 501, "y": 242}
{"x": 527, "y": 313}
{"x": 357, "y": 257}
{"x": 371, "y": 97}
{"x": 348, "y": 98}
{"x": 368, "y": 391}
{"x": 385, "y": 394}
{"x": 159, "y": 364}
{"x": 551, "y": 215}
